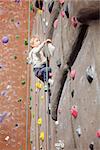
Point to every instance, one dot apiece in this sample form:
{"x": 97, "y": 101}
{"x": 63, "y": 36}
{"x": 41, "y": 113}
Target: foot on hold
{"x": 51, "y": 82}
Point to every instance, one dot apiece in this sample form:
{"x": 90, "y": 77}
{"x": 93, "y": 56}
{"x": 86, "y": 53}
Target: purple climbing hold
{"x": 17, "y": 1}
{"x": 5, "y": 39}
{"x": 2, "y": 116}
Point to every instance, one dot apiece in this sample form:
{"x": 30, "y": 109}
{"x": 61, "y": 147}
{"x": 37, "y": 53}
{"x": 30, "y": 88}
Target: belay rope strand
{"x": 27, "y": 77}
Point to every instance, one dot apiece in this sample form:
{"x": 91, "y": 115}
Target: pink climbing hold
{"x": 61, "y": 1}
{"x": 98, "y": 133}
{"x": 62, "y": 13}
{"x": 74, "y": 21}
{"x": 73, "y": 74}
{"x": 74, "y": 111}
{"x": 56, "y": 23}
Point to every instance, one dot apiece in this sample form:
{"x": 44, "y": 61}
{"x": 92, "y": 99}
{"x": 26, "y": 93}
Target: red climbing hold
{"x": 62, "y": 13}
{"x": 61, "y": 1}
{"x": 56, "y": 23}
{"x": 74, "y": 111}
{"x": 74, "y": 21}
{"x": 73, "y": 74}
{"x": 98, "y": 133}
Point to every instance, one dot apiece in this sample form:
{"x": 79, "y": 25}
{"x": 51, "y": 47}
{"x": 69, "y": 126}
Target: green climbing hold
{"x": 25, "y": 42}
{"x": 23, "y": 82}
{"x": 31, "y": 142}
{"x": 17, "y": 36}
{"x": 20, "y": 99}
{"x": 31, "y": 7}
{"x": 31, "y": 89}
{"x": 30, "y": 98}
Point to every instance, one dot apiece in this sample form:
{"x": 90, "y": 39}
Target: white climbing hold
{"x": 56, "y": 122}
{"x": 46, "y": 23}
{"x": 90, "y": 73}
{"x": 78, "y": 131}
{"x": 7, "y": 138}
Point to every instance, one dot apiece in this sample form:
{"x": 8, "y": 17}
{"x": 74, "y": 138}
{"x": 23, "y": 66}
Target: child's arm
{"x": 38, "y": 49}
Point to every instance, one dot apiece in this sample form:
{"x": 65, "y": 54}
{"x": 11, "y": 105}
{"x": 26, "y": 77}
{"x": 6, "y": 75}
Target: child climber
{"x": 37, "y": 58}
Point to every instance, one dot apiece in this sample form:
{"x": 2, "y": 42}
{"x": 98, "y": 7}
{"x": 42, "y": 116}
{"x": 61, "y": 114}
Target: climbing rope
{"x": 28, "y": 77}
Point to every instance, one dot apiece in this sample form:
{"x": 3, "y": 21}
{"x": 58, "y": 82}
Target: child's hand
{"x": 48, "y": 41}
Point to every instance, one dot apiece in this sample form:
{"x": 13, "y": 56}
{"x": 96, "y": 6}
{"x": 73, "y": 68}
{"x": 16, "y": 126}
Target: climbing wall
{"x": 79, "y": 109}
{"x": 13, "y": 52}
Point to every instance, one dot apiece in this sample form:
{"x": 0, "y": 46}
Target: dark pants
{"x": 42, "y": 72}
{"x": 39, "y": 4}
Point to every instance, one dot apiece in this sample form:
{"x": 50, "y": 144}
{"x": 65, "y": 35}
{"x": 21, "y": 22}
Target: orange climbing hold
{"x": 74, "y": 111}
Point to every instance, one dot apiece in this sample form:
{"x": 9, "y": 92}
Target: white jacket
{"x": 36, "y": 56}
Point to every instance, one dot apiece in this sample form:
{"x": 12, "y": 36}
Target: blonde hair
{"x": 32, "y": 40}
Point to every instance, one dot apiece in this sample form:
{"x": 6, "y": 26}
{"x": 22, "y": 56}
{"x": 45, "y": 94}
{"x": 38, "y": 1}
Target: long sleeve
{"x": 38, "y": 49}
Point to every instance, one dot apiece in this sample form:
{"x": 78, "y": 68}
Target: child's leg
{"x": 36, "y": 72}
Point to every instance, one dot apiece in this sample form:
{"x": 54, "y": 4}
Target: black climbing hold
{"x": 50, "y": 6}
{"x": 58, "y": 62}
{"x": 20, "y": 99}
{"x": 39, "y": 4}
{"x": 72, "y": 93}
{"x": 91, "y": 146}
{"x": 15, "y": 57}
{"x": 66, "y": 10}
{"x": 25, "y": 42}
{"x": 16, "y": 125}
{"x": 31, "y": 142}
{"x": 90, "y": 74}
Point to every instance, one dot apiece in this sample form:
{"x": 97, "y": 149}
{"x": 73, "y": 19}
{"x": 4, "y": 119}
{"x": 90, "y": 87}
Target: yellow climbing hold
{"x": 42, "y": 97}
{"x": 39, "y": 11}
{"x": 40, "y": 121}
{"x": 42, "y": 136}
{"x": 38, "y": 85}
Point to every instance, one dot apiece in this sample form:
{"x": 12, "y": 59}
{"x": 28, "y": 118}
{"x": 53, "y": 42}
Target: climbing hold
{"x": 30, "y": 98}
{"x": 66, "y": 10}
{"x": 7, "y": 138}
{"x": 25, "y": 42}
{"x": 56, "y": 23}
{"x": 78, "y": 131}
{"x": 91, "y": 146}
{"x": 61, "y": 1}
{"x": 41, "y": 147}
{"x": 33, "y": 115}
{"x": 5, "y": 39}
{"x": 38, "y": 85}
{"x": 73, "y": 74}
{"x": 15, "y": 57}
{"x": 40, "y": 121}
{"x": 2, "y": 116}
{"x": 62, "y": 13}
{"x": 30, "y": 107}
{"x": 31, "y": 7}
{"x": 42, "y": 97}
{"x": 59, "y": 145}
{"x": 90, "y": 74}
{"x": 46, "y": 23}
{"x": 58, "y": 62}
{"x": 20, "y": 99}
{"x": 16, "y": 125}
{"x": 74, "y": 21}
{"x": 17, "y": 1}
{"x": 72, "y": 93}
{"x": 42, "y": 136}
{"x": 98, "y": 133}
{"x": 23, "y": 82}
{"x": 31, "y": 142}
{"x": 31, "y": 89}
{"x": 39, "y": 11}
{"x": 74, "y": 111}
{"x": 45, "y": 88}
{"x": 17, "y": 36}
{"x": 56, "y": 123}
{"x": 50, "y": 6}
